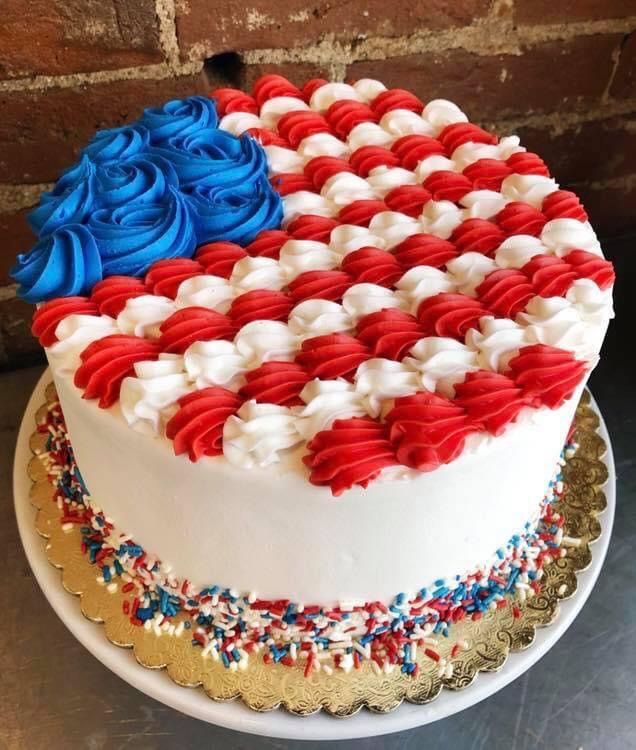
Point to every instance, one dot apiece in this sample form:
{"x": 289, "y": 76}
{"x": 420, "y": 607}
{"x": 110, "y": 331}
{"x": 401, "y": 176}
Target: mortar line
{"x": 478, "y": 38}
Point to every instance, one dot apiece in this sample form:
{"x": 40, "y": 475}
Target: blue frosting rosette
{"x": 65, "y": 263}
{"x": 154, "y": 189}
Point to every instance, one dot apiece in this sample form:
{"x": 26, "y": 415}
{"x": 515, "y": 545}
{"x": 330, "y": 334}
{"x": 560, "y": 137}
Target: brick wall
{"x": 561, "y": 73}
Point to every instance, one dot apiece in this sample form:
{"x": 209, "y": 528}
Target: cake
{"x": 318, "y": 352}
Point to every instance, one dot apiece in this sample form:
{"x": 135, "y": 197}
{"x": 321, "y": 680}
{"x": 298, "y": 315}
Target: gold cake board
{"x": 263, "y": 687}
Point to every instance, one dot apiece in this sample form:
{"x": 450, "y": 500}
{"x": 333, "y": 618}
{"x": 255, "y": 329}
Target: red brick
{"x": 17, "y": 346}
{"x": 592, "y": 151}
{"x": 270, "y": 23}
{"x": 42, "y": 131}
{"x": 549, "y": 11}
{"x": 16, "y": 238}
{"x": 611, "y": 209}
{"x": 624, "y": 83}
{"x": 546, "y": 77}
{"x": 54, "y": 37}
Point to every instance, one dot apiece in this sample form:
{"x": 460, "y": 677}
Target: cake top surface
{"x": 341, "y": 269}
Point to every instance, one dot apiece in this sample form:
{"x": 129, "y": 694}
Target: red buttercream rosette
{"x": 353, "y": 452}
{"x": 260, "y": 304}
{"x": 267, "y": 244}
{"x": 218, "y": 258}
{"x": 518, "y": 217}
{"x": 491, "y": 399}
{"x": 329, "y": 285}
{"x": 477, "y": 236}
{"x": 111, "y": 294}
{"x": 410, "y": 150}
{"x": 587, "y": 265}
{"x": 106, "y": 362}
{"x": 361, "y": 212}
{"x": 197, "y": 427}
{"x": 47, "y": 317}
{"x": 408, "y": 199}
{"x": 563, "y": 204}
{"x": 458, "y": 133}
{"x": 192, "y": 324}
{"x": 366, "y": 158}
{"x": 165, "y": 276}
{"x": 333, "y": 355}
{"x": 371, "y": 265}
{"x": 275, "y": 383}
{"x": 546, "y": 374}
{"x": 428, "y": 430}
{"x": 450, "y": 314}
{"x": 550, "y": 276}
{"x": 230, "y": 100}
{"x": 424, "y": 250}
{"x": 505, "y": 292}
{"x": 310, "y": 227}
{"x": 389, "y": 333}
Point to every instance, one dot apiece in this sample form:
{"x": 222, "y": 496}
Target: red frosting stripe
{"x": 424, "y": 250}
{"x": 329, "y": 285}
{"x": 352, "y": 452}
{"x": 389, "y": 333}
{"x": 47, "y": 316}
{"x": 197, "y": 428}
{"x": 106, "y": 362}
{"x": 444, "y": 185}
{"x": 267, "y": 243}
{"x": 412, "y": 149}
{"x": 428, "y": 430}
{"x": 275, "y": 383}
{"x": 321, "y": 168}
{"x": 450, "y": 314}
{"x": 310, "y": 227}
{"x": 505, "y": 292}
{"x": 260, "y": 304}
{"x": 192, "y": 324}
{"x": 233, "y": 100}
{"x": 361, "y": 212}
{"x": 586, "y": 265}
{"x": 165, "y": 276}
{"x": 487, "y": 174}
{"x": 343, "y": 115}
{"x": 272, "y": 85}
{"x": 477, "y": 236}
{"x": 458, "y": 133}
{"x": 520, "y": 218}
{"x": 366, "y": 158}
{"x": 396, "y": 99}
{"x": 546, "y": 374}
{"x": 296, "y": 125}
{"x": 311, "y": 86}
{"x": 408, "y": 199}
{"x": 290, "y": 182}
{"x": 218, "y": 258}
{"x": 111, "y": 294}
{"x": 334, "y": 355}
{"x": 563, "y": 204}
{"x": 491, "y": 399}
{"x": 267, "y": 137}
{"x": 550, "y": 276}
{"x": 526, "y": 162}
{"x": 372, "y": 265}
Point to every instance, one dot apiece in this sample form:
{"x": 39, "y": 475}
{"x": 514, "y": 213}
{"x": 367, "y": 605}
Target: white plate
{"x": 234, "y": 715}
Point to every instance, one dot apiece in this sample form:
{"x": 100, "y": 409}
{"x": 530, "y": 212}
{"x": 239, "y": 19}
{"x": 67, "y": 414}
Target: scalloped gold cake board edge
{"x": 264, "y": 687}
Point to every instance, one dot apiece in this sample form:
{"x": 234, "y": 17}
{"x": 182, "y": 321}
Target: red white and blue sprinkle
{"x": 231, "y": 627}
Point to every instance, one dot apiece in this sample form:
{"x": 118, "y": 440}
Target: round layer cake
{"x": 323, "y": 344}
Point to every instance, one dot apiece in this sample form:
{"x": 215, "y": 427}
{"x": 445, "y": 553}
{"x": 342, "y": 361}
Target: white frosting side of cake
{"x": 271, "y": 532}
